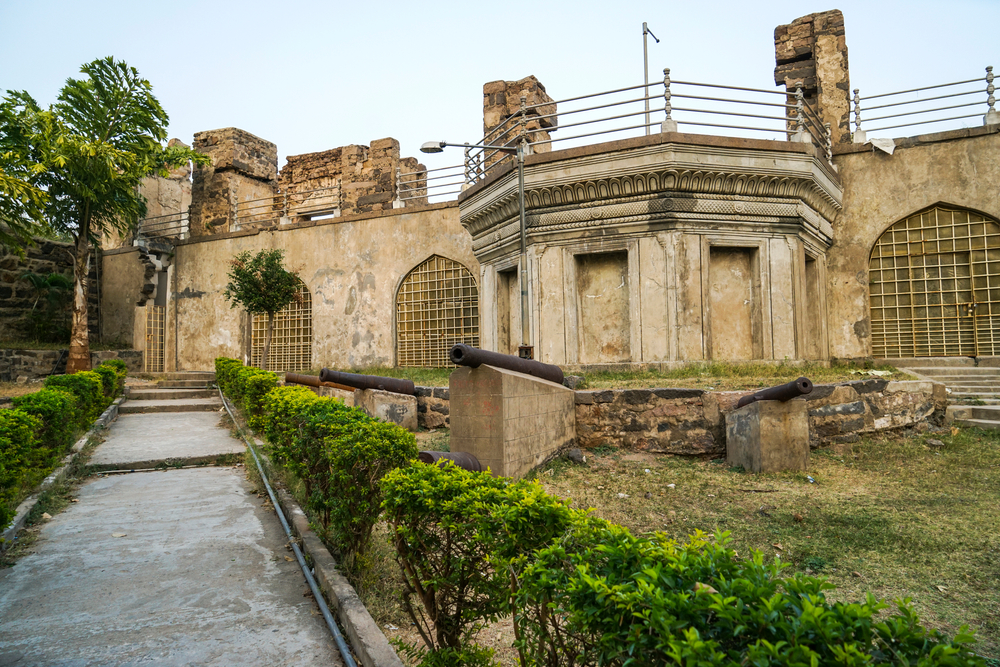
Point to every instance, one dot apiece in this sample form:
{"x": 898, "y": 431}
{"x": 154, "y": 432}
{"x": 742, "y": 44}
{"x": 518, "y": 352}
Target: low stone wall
{"x": 37, "y": 364}
{"x": 692, "y": 422}
{"x": 433, "y": 407}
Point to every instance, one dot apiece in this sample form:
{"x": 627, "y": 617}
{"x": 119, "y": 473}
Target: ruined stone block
{"x": 768, "y": 436}
{"x": 388, "y": 406}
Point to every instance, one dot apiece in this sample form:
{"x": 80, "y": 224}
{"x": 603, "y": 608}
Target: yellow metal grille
{"x": 935, "y": 286}
{"x": 155, "y": 330}
{"x": 437, "y": 306}
{"x": 291, "y": 343}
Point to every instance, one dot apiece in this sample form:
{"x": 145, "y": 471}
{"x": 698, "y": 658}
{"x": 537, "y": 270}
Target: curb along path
{"x": 175, "y": 566}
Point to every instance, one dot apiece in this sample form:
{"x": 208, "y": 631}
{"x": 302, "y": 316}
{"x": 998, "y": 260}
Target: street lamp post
{"x": 525, "y": 350}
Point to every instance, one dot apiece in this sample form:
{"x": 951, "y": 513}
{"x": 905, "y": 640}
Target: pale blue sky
{"x": 311, "y": 76}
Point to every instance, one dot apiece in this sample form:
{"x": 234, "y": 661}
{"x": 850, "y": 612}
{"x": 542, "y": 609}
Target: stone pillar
{"x": 813, "y": 49}
{"x": 502, "y": 101}
{"x": 244, "y": 167}
{"x": 768, "y": 436}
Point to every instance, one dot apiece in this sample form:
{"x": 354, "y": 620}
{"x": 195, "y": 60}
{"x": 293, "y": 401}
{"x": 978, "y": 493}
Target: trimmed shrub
{"x": 109, "y": 381}
{"x": 282, "y": 415}
{"x": 120, "y": 366}
{"x": 602, "y": 596}
{"x": 225, "y": 374}
{"x": 358, "y": 460}
{"x": 436, "y": 515}
{"x": 254, "y": 384}
{"x": 18, "y": 443}
{"x": 88, "y": 388}
{"x": 56, "y": 409}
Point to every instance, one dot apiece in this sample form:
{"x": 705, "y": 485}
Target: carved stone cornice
{"x": 663, "y": 173}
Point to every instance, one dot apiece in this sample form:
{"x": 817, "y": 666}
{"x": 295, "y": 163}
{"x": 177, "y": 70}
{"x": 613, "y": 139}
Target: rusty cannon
{"x": 357, "y": 381}
{"x": 313, "y": 381}
{"x": 464, "y": 355}
{"x": 463, "y": 460}
{"x": 783, "y": 392}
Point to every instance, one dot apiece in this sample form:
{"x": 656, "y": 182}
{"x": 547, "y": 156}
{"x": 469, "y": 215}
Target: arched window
{"x": 934, "y": 281}
{"x": 291, "y": 344}
{"x": 436, "y": 307}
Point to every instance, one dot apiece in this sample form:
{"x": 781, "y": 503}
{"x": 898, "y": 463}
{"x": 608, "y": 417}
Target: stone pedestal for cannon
{"x": 388, "y": 406}
{"x": 768, "y": 436}
{"x": 510, "y": 421}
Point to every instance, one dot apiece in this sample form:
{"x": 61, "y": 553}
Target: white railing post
{"x": 801, "y": 134}
{"x": 992, "y": 116}
{"x": 398, "y": 201}
{"x": 668, "y": 124}
{"x": 859, "y": 136}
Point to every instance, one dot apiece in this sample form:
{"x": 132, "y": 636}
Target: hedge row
{"x": 37, "y": 432}
{"x": 583, "y": 591}
{"x": 339, "y": 453}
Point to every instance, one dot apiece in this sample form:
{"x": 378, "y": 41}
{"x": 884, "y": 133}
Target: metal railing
{"x": 305, "y": 204}
{"x": 785, "y": 115}
{"x": 923, "y": 107}
{"x": 171, "y": 225}
{"x": 416, "y": 186}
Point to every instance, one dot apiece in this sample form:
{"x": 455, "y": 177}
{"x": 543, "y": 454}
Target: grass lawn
{"x": 893, "y": 516}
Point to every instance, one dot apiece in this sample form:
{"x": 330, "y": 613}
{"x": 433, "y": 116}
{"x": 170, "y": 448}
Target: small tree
{"x": 261, "y": 284}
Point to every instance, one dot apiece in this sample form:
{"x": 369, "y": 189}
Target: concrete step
{"x": 979, "y": 423}
{"x": 923, "y": 362}
{"x": 988, "y": 412}
{"x": 983, "y": 395}
{"x": 208, "y": 376}
{"x": 948, "y": 371}
{"x": 182, "y": 384}
{"x": 171, "y": 405}
{"x": 161, "y": 394}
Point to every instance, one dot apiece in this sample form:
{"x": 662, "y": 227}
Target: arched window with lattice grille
{"x": 291, "y": 344}
{"x": 934, "y": 286}
{"x": 436, "y": 306}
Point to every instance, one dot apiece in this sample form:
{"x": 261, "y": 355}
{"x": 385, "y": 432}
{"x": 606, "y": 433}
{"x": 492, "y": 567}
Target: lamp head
{"x": 433, "y": 147}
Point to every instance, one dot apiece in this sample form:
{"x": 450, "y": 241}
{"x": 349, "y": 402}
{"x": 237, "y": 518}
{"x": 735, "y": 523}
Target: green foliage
{"x": 358, "y": 459}
{"x": 281, "y": 420}
{"x": 260, "y": 283}
{"x": 88, "y": 388}
{"x": 120, "y": 369}
{"x": 436, "y": 517}
{"x": 109, "y": 380}
{"x": 225, "y": 374}
{"x": 254, "y": 385}
{"x": 56, "y": 410}
{"x": 120, "y": 366}
{"x": 469, "y": 655}
{"x": 17, "y": 449}
{"x": 88, "y": 153}
{"x": 601, "y": 596}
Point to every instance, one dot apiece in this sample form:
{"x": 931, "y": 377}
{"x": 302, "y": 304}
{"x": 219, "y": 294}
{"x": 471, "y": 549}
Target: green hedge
{"x": 39, "y": 430}
{"x": 339, "y": 453}
{"x": 583, "y": 591}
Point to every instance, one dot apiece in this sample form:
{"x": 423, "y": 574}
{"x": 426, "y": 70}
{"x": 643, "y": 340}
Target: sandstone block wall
{"x": 433, "y": 407}
{"x": 813, "y": 49}
{"x": 502, "y": 100}
{"x": 244, "y": 167}
{"x": 366, "y": 175}
{"x": 38, "y": 364}
{"x": 17, "y": 296}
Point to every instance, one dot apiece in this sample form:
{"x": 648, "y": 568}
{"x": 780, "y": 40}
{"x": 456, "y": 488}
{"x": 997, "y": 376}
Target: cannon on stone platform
{"x": 357, "y": 381}
{"x": 464, "y": 355}
{"x": 782, "y": 392}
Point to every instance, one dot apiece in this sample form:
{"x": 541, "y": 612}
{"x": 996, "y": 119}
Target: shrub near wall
{"x": 588, "y": 592}
{"x": 339, "y": 453}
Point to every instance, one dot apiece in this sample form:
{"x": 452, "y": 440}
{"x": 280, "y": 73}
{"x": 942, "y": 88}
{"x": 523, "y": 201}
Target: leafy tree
{"x": 261, "y": 284}
{"x": 21, "y": 202}
{"x": 89, "y": 153}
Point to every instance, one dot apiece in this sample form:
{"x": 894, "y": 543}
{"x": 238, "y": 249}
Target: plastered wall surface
{"x": 960, "y": 168}
{"x": 352, "y": 266}
{"x": 122, "y": 280}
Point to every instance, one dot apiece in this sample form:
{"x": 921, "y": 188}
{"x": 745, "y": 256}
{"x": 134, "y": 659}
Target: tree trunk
{"x": 79, "y": 339}
{"x": 267, "y": 340}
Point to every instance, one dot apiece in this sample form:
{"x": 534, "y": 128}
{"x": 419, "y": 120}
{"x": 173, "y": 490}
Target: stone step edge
{"x": 21, "y": 514}
{"x": 978, "y": 423}
{"x": 151, "y": 465}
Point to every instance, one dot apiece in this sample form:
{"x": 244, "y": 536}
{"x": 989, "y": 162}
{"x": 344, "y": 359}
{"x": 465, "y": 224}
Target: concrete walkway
{"x": 176, "y": 567}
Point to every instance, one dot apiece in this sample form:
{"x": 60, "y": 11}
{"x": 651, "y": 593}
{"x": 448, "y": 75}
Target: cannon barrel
{"x": 463, "y": 355}
{"x": 463, "y": 460}
{"x": 783, "y": 392}
{"x": 313, "y": 381}
{"x": 395, "y": 385}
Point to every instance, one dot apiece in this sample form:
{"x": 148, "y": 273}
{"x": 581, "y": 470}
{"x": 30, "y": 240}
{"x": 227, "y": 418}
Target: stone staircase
{"x": 973, "y": 384}
{"x": 185, "y": 391}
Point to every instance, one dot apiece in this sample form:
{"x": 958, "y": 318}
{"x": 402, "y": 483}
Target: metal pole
{"x": 525, "y": 350}
{"x": 645, "y": 68}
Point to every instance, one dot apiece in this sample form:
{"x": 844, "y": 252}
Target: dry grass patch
{"x": 13, "y": 389}
{"x": 894, "y": 516}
